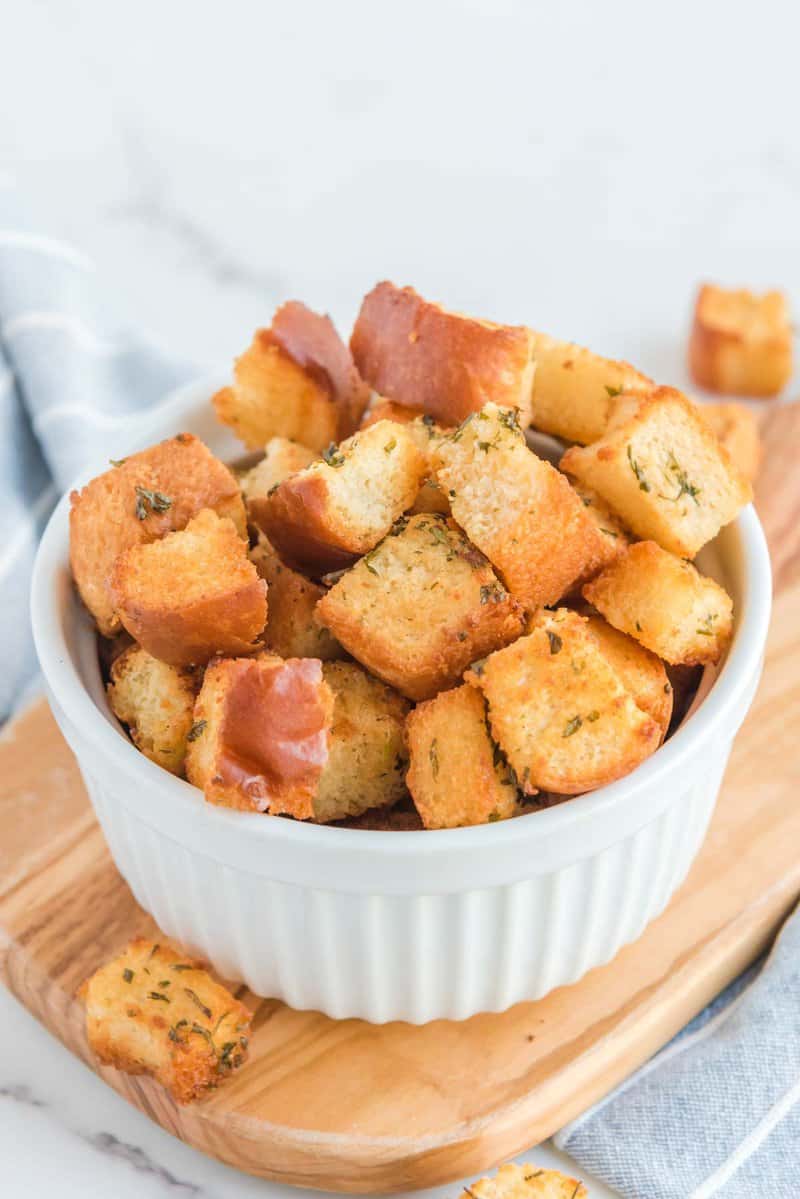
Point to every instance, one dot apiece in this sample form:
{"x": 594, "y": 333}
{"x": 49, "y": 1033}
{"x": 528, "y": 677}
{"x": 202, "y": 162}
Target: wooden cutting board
{"x": 353, "y": 1107}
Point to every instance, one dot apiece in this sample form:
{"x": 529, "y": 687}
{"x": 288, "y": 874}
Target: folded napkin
{"x": 716, "y": 1112}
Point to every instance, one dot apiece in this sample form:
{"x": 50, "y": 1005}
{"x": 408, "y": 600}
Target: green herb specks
{"x": 572, "y": 726}
{"x": 150, "y": 501}
{"x": 637, "y": 470}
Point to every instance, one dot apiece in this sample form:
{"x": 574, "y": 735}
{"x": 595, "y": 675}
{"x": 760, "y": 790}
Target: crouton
{"x": 297, "y": 380}
{"x": 335, "y": 510}
{"x": 640, "y": 671}
{"x": 156, "y": 702}
{"x": 664, "y": 472}
{"x": 456, "y": 775}
{"x": 737, "y": 430}
{"x": 292, "y": 629}
{"x": 282, "y": 458}
{"x": 612, "y": 534}
{"x": 191, "y": 595}
{"x": 153, "y": 1010}
{"x": 420, "y": 607}
{"x": 741, "y": 343}
{"x": 449, "y": 365}
{"x": 261, "y": 734}
{"x": 517, "y": 508}
{"x": 139, "y": 500}
{"x": 559, "y": 711}
{"x": 367, "y": 756}
{"x": 427, "y": 434}
{"x": 573, "y": 388}
{"x": 526, "y": 1182}
{"x": 664, "y": 604}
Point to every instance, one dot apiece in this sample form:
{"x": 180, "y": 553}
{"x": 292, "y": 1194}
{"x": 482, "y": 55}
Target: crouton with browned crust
{"x": 640, "y": 671}
{"x": 192, "y": 594}
{"x": 420, "y": 607}
{"x": 138, "y": 500}
{"x": 737, "y": 431}
{"x": 282, "y": 458}
{"x": 156, "y": 702}
{"x": 292, "y": 629}
{"x": 427, "y": 434}
{"x": 741, "y": 343}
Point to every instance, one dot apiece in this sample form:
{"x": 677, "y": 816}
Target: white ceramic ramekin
{"x": 409, "y": 926}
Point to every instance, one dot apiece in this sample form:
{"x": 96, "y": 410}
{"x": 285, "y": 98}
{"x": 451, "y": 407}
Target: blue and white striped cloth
{"x": 716, "y": 1113}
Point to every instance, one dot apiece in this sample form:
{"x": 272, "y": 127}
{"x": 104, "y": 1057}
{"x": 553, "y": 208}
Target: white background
{"x": 576, "y": 166}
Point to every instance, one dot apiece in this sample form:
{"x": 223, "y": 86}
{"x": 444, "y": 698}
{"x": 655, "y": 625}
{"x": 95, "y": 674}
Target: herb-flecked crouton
{"x": 327, "y": 515}
{"x": 640, "y": 671}
{"x": 282, "y": 458}
{"x": 153, "y": 1010}
{"x": 292, "y": 629}
{"x": 573, "y": 389}
{"x": 741, "y": 343}
{"x": 420, "y": 355}
{"x": 737, "y": 430}
{"x": 526, "y": 1182}
{"x": 559, "y": 711}
{"x": 665, "y": 604}
{"x": 517, "y": 508}
{"x": 138, "y": 500}
{"x": 427, "y": 435}
{"x": 420, "y": 607}
{"x": 156, "y": 702}
{"x": 665, "y": 473}
{"x": 297, "y": 380}
{"x": 456, "y": 775}
{"x": 261, "y": 734}
{"x": 192, "y": 594}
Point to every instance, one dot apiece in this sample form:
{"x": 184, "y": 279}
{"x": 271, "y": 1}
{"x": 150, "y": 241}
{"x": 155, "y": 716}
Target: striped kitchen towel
{"x": 715, "y": 1113}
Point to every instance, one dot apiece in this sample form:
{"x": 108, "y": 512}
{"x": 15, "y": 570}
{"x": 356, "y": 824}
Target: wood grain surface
{"x": 343, "y": 1105}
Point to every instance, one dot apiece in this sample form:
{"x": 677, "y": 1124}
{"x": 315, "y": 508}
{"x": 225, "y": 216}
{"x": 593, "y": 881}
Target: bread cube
{"x": 153, "y": 1010}
{"x": 665, "y": 473}
{"x": 427, "y": 435}
{"x": 559, "y": 711}
{"x": 526, "y": 1182}
{"x": 137, "y": 501}
{"x": 367, "y": 757}
{"x": 665, "y": 604}
{"x": 457, "y": 776}
{"x": 420, "y": 607}
{"x": 612, "y": 534}
{"x": 325, "y": 516}
{"x": 741, "y": 343}
{"x": 736, "y": 429}
{"x": 640, "y": 671}
{"x": 573, "y": 389}
{"x": 517, "y": 508}
{"x": 282, "y": 458}
{"x": 420, "y": 355}
{"x": 297, "y": 380}
{"x": 191, "y": 595}
{"x": 261, "y": 734}
{"x": 156, "y": 702}
{"x": 292, "y": 630}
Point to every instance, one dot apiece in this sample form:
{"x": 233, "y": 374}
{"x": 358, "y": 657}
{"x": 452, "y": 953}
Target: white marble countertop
{"x": 577, "y": 167}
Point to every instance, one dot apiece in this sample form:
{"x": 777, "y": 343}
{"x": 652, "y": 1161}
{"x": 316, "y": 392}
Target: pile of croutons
{"x": 400, "y": 616}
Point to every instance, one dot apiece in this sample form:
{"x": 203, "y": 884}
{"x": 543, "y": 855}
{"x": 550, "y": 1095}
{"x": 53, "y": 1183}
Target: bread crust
{"x": 640, "y": 671}
{"x": 418, "y": 354}
{"x": 282, "y": 458}
{"x": 741, "y": 343}
{"x": 191, "y": 595}
{"x": 139, "y": 500}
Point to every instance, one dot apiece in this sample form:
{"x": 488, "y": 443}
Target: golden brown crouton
{"x": 517, "y": 508}
{"x": 139, "y": 500}
{"x": 367, "y": 757}
{"x": 526, "y": 1182}
{"x": 665, "y": 604}
{"x": 420, "y": 607}
{"x": 640, "y": 672}
{"x": 297, "y": 380}
{"x": 558, "y": 710}
{"x": 191, "y": 595}
{"x": 664, "y": 472}
{"x": 261, "y": 734}
{"x": 153, "y": 1010}
{"x": 449, "y": 365}
{"x": 741, "y": 343}
{"x": 282, "y": 458}
{"x": 427, "y": 435}
{"x": 456, "y": 775}
{"x": 573, "y": 388}
{"x": 737, "y": 430}
{"x": 612, "y": 534}
{"x": 327, "y": 515}
{"x": 156, "y": 702}
{"x": 293, "y": 630}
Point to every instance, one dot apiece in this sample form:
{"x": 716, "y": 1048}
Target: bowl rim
{"x": 719, "y": 714}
